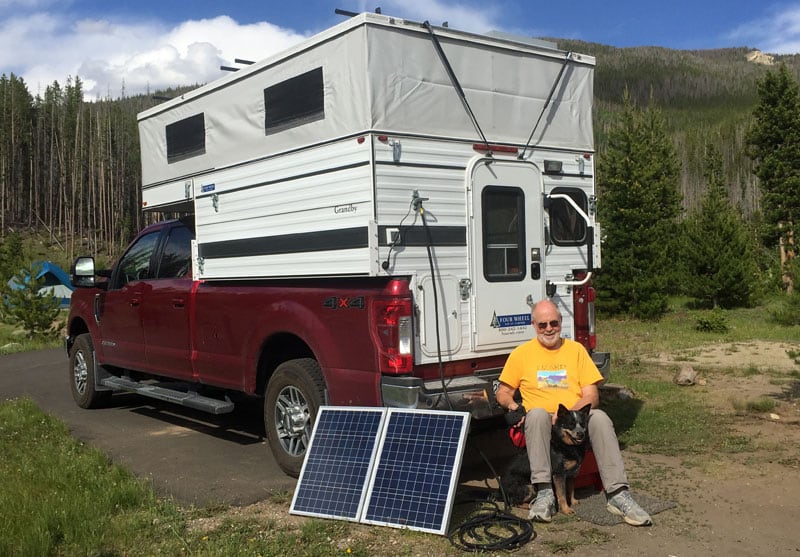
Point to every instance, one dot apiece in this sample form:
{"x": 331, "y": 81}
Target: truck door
{"x": 507, "y": 248}
{"x": 166, "y": 311}
{"x": 118, "y": 310}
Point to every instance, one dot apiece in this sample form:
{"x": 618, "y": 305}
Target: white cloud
{"x": 139, "y": 56}
{"x": 43, "y": 42}
{"x": 777, "y": 33}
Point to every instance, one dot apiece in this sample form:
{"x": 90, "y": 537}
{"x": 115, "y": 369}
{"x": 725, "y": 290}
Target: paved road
{"x": 195, "y": 457}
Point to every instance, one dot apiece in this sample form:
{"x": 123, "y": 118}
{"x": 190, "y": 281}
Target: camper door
{"x": 507, "y": 237}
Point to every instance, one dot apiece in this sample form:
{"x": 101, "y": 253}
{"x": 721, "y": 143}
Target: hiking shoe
{"x": 622, "y": 504}
{"x": 543, "y": 507}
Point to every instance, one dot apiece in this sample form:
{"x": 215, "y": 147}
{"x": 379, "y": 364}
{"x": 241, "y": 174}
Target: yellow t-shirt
{"x": 546, "y": 378}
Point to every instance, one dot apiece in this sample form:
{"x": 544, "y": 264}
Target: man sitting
{"x": 549, "y": 370}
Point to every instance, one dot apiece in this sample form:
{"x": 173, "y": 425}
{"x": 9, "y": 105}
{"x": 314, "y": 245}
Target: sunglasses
{"x": 555, "y": 324}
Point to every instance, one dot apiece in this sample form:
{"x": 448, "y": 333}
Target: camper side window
{"x": 503, "y": 234}
{"x": 294, "y": 102}
{"x": 567, "y": 227}
{"x": 186, "y": 138}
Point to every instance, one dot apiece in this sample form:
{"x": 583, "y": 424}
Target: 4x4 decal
{"x": 343, "y": 302}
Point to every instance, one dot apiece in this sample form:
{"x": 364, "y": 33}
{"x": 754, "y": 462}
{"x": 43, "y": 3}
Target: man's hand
{"x": 515, "y": 417}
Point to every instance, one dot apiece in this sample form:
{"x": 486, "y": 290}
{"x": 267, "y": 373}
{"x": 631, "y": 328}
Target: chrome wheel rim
{"x": 80, "y": 373}
{"x": 292, "y": 420}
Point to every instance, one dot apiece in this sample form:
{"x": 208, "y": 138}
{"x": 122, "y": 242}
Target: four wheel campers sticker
{"x": 511, "y": 324}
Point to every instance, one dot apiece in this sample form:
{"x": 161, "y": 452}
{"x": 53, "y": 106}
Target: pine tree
{"x": 774, "y": 142}
{"x": 26, "y": 307}
{"x": 718, "y": 250}
{"x": 639, "y": 203}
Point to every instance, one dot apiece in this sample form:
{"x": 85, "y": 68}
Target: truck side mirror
{"x": 82, "y": 272}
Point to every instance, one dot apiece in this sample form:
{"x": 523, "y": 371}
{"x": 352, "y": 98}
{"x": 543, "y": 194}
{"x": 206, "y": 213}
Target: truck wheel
{"x": 82, "y": 374}
{"x": 294, "y": 394}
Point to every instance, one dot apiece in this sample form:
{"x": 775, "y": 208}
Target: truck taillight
{"x": 392, "y": 332}
{"x": 583, "y": 302}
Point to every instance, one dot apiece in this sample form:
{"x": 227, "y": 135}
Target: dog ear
{"x": 586, "y": 409}
{"x": 562, "y": 410}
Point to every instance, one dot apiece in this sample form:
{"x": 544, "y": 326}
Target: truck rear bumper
{"x": 473, "y": 393}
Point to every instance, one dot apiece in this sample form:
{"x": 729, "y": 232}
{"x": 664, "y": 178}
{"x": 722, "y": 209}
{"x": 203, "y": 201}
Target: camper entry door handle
{"x": 178, "y": 303}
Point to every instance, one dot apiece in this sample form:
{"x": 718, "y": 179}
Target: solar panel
{"x": 338, "y": 462}
{"x": 416, "y": 473}
{"x": 391, "y": 467}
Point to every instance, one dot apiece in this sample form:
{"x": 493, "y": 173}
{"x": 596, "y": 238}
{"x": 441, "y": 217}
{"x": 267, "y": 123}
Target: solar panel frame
{"x": 339, "y": 460}
{"x": 415, "y": 475}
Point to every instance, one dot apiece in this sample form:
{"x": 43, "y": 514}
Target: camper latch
{"x": 396, "y": 150}
{"x": 215, "y": 202}
{"x": 464, "y": 286}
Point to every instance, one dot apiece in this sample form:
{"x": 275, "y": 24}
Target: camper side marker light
{"x": 552, "y": 167}
{"x": 484, "y": 147}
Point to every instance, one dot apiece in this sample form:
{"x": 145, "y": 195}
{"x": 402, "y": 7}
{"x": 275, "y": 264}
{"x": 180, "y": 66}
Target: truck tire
{"x": 82, "y": 374}
{"x": 293, "y": 397}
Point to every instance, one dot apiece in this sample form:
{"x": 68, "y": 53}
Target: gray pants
{"x": 538, "y": 428}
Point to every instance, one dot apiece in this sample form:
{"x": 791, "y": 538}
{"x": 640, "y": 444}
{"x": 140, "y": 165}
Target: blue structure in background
{"x": 56, "y": 281}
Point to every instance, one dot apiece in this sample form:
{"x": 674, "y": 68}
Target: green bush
{"x": 712, "y": 322}
{"x": 788, "y": 313}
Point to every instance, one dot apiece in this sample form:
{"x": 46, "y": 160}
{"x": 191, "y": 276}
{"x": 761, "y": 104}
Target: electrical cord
{"x": 428, "y": 244}
{"x": 398, "y": 240}
{"x": 490, "y": 528}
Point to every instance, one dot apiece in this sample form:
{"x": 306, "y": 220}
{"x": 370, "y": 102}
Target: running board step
{"x": 189, "y": 399}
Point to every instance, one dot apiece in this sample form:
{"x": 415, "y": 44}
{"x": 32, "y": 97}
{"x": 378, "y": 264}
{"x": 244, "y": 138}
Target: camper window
{"x": 503, "y": 234}
{"x": 294, "y": 102}
{"x": 186, "y": 138}
{"x": 567, "y": 228}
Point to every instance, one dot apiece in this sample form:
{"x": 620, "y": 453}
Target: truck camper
{"x": 369, "y": 217}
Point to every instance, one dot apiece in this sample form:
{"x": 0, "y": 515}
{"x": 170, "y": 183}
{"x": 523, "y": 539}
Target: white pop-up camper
{"x": 383, "y": 147}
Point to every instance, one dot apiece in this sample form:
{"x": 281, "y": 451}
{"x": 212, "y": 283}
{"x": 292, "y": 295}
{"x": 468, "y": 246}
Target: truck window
{"x": 503, "y": 234}
{"x": 176, "y": 260}
{"x": 567, "y": 228}
{"x": 294, "y": 102}
{"x": 135, "y": 264}
{"x": 186, "y": 138}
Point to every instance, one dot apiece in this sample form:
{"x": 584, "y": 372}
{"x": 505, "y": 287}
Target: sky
{"x": 121, "y": 47}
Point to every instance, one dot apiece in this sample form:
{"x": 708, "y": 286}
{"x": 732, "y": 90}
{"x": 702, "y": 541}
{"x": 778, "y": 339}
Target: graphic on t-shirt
{"x": 552, "y": 379}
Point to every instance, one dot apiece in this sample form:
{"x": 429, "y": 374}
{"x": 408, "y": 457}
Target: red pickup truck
{"x": 146, "y": 326}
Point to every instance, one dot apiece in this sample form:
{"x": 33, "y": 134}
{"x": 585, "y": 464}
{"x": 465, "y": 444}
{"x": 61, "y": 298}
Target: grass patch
{"x": 757, "y": 406}
{"x": 667, "y": 419}
{"x": 60, "y": 497}
{"x": 13, "y": 339}
{"x": 675, "y": 331}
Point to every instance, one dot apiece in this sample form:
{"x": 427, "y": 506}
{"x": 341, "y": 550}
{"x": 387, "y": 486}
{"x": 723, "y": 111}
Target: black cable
{"x": 398, "y": 240}
{"x": 428, "y": 244}
{"x": 484, "y": 530}
{"x": 491, "y": 529}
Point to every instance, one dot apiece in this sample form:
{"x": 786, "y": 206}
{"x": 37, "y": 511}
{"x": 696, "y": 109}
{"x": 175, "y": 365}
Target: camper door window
{"x": 503, "y": 233}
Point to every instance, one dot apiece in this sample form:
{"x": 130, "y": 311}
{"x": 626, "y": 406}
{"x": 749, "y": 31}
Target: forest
{"x": 69, "y": 169}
